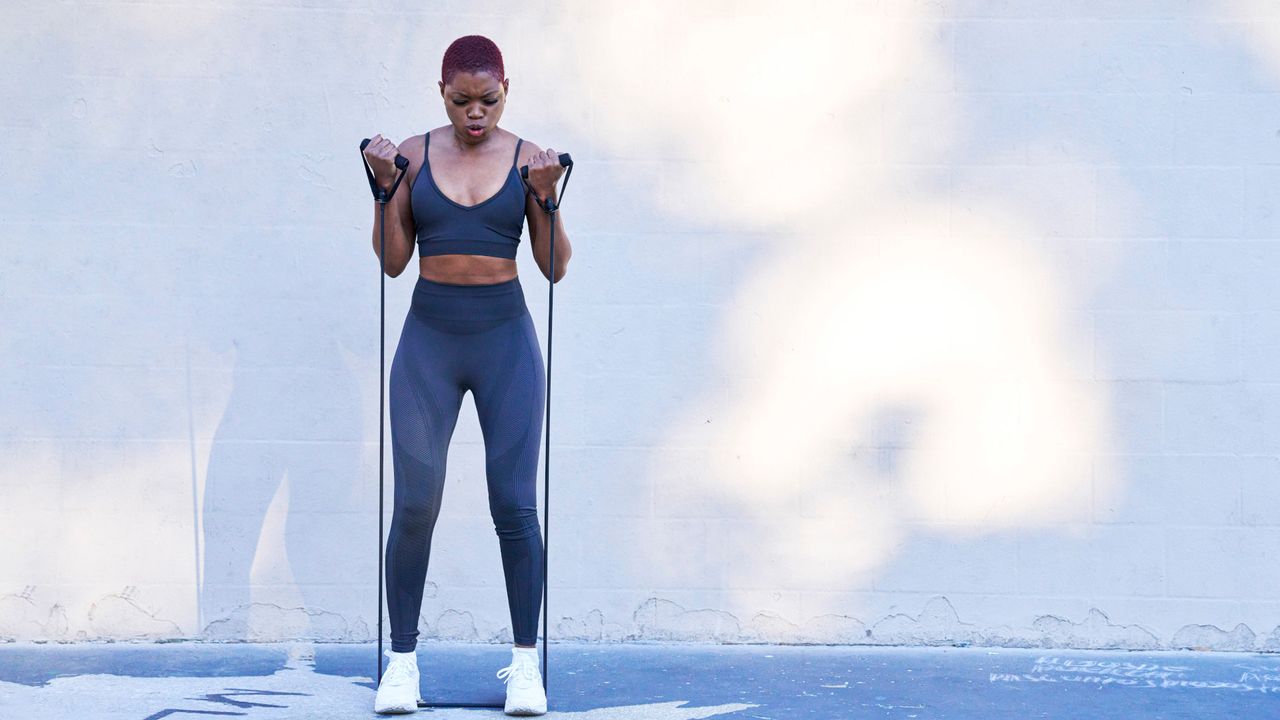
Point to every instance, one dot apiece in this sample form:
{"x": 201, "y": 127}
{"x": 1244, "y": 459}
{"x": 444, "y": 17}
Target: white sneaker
{"x": 525, "y": 695}
{"x": 398, "y": 689}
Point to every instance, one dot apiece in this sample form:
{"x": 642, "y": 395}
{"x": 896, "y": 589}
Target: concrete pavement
{"x": 148, "y": 681}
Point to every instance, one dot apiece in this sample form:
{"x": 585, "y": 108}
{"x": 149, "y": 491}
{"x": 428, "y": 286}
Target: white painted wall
{"x": 887, "y": 322}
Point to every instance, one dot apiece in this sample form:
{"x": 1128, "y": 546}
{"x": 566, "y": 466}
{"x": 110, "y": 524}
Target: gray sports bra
{"x": 490, "y": 227}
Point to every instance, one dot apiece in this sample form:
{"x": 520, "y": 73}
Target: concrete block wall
{"x": 887, "y": 322}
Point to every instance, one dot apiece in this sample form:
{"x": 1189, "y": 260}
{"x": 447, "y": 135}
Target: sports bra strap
{"x": 427, "y": 141}
{"x": 515, "y": 160}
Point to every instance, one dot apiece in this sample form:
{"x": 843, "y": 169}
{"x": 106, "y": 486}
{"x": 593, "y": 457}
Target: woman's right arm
{"x": 400, "y": 235}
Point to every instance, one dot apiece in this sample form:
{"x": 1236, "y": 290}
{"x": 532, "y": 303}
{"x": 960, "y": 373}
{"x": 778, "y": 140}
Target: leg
{"x": 425, "y": 397}
{"x": 509, "y": 392}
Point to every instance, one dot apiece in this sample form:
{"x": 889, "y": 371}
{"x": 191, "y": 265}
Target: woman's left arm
{"x": 544, "y": 174}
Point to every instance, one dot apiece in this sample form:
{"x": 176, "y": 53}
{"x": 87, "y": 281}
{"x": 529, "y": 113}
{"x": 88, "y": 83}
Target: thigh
{"x": 509, "y": 385}
{"x": 425, "y": 396}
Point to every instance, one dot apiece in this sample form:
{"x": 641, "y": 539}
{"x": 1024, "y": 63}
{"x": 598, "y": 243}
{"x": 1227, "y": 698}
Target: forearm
{"x": 542, "y": 245}
{"x": 399, "y": 247}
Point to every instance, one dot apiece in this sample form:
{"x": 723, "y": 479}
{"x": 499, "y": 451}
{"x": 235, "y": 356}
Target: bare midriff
{"x": 466, "y": 269}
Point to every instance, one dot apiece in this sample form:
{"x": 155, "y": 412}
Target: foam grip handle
{"x": 565, "y": 161}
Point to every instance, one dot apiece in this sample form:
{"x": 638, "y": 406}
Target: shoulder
{"x": 410, "y": 144}
{"x": 413, "y": 145}
{"x": 528, "y": 149}
{"x": 411, "y": 148}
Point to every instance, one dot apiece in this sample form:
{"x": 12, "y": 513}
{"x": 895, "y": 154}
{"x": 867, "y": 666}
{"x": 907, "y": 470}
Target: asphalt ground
{"x": 147, "y": 681}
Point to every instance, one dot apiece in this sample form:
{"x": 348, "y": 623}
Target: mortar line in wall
{"x": 331, "y": 225}
{"x": 1020, "y": 596}
{"x": 199, "y": 438}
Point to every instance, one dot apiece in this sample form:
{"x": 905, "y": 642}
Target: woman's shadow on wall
{"x": 291, "y": 433}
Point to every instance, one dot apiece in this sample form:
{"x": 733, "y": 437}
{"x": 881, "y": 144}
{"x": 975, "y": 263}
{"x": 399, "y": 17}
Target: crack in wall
{"x": 1095, "y": 632}
{"x": 122, "y": 616}
{"x": 1206, "y": 637}
{"x": 269, "y": 622}
{"x": 21, "y": 617}
{"x": 119, "y": 616}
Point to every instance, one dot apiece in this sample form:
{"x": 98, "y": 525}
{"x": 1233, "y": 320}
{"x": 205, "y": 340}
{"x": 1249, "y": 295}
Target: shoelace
{"x": 398, "y": 670}
{"x": 520, "y": 667}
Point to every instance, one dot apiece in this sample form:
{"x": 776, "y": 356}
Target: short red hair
{"x": 473, "y": 54}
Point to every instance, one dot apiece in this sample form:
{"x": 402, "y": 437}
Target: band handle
{"x": 382, "y": 196}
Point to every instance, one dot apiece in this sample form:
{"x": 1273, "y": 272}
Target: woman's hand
{"x": 381, "y": 154}
{"x": 544, "y": 172}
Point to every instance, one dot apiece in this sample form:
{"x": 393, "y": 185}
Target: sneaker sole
{"x": 525, "y": 710}
{"x": 397, "y": 708}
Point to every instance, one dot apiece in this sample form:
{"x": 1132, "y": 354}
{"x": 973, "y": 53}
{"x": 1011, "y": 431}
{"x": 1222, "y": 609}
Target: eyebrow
{"x": 459, "y": 92}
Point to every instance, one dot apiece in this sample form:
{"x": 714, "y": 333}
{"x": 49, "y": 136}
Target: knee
{"x": 416, "y": 512}
{"x": 516, "y": 523}
{"x": 418, "y": 486}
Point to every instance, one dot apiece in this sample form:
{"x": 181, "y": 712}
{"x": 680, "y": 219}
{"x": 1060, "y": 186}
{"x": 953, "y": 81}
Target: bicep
{"x": 404, "y": 209}
{"x": 533, "y": 213}
{"x": 404, "y": 216}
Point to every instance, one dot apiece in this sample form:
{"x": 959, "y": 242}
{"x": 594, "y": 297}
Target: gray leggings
{"x": 458, "y": 338}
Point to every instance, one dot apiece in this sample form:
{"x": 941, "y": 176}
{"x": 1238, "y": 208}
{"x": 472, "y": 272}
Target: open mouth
{"x": 475, "y": 129}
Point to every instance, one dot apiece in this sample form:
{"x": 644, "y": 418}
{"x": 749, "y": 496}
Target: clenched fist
{"x": 544, "y": 172}
{"x": 381, "y": 154}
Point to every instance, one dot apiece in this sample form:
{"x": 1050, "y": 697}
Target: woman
{"x": 468, "y": 328}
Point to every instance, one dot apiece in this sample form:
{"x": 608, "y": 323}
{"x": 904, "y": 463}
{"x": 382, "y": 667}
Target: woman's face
{"x": 473, "y": 100}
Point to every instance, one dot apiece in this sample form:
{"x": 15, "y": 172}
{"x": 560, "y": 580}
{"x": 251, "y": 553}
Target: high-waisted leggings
{"x": 458, "y": 338}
